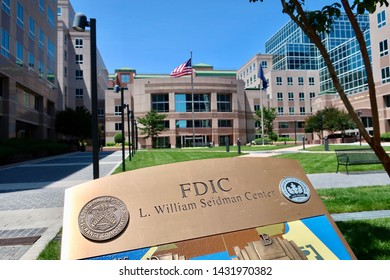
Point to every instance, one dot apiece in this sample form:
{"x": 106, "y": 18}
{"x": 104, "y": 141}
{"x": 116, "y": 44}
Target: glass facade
{"x": 293, "y": 50}
{"x": 183, "y": 102}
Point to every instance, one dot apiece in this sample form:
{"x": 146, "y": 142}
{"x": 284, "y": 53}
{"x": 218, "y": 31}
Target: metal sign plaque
{"x": 232, "y": 208}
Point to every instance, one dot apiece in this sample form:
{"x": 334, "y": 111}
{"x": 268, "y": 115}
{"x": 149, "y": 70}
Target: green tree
{"x": 74, "y": 123}
{"x": 268, "y": 119}
{"x": 152, "y": 125}
{"x": 330, "y": 119}
{"x": 313, "y": 23}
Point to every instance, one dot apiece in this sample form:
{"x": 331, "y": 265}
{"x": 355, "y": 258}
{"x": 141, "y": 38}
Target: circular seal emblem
{"x": 294, "y": 190}
{"x": 103, "y": 218}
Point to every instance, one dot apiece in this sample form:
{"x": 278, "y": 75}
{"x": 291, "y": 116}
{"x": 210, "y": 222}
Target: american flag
{"x": 182, "y": 70}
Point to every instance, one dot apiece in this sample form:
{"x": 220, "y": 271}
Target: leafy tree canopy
{"x": 74, "y": 123}
{"x": 152, "y": 124}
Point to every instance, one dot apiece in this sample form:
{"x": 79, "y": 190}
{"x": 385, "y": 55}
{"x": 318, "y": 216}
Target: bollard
{"x": 326, "y": 144}
{"x": 239, "y": 145}
{"x": 303, "y": 142}
{"x": 227, "y": 144}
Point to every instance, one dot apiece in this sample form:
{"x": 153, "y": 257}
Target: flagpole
{"x": 192, "y": 97}
{"x": 262, "y": 116}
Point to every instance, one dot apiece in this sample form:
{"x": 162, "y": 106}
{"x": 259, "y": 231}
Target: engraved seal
{"x": 103, "y": 218}
{"x": 294, "y": 190}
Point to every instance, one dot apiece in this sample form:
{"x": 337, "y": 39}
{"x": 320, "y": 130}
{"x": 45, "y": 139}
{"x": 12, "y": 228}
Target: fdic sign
{"x": 234, "y": 208}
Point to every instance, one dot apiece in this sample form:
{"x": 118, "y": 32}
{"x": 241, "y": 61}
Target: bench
{"x": 355, "y": 157}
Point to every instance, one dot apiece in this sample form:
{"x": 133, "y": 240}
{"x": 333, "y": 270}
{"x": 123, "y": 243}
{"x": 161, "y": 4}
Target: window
{"x": 383, "y": 48}
{"x": 311, "y": 81}
{"x": 31, "y": 28}
{"x": 183, "y": 102}
{"x": 40, "y": 69}
{"x": 41, "y": 38}
{"x": 278, "y": 81}
{"x": 160, "y": 102}
{"x": 79, "y": 93}
{"x": 5, "y": 5}
{"x": 5, "y": 43}
{"x": 290, "y": 81}
{"x": 224, "y": 103}
{"x": 301, "y": 96}
{"x": 225, "y": 123}
{"x": 79, "y": 59}
{"x": 385, "y": 74}
{"x": 19, "y": 15}
{"x": 280, "y": 111}
{"x": 300, "y": 81}
{"x": 280, "y": 96}
{"x": 42, "y": 6}
{"x": 51, "y": 17}
{"x": 51, "y": 50}
{"x": 290, "y": 96}
{"x": 118, "y": 126}
{"x": 59, "y": 11}
{"x": 312, "y": 95}
{"x": 79, "y": 74}
{"x": 188, "y": 123}
{"x": 302, "y": 111}
{"x": 31, "y": 60}
{"x": 284, "y": 125}
{"x": 257, "y": 107}
{"x": 118, "y": 110}
{"x": 100, "y": 113}
{"x": 79, "y": 43}
{"x": 386, "y": 99}
{"x": 291, "y": 111}
{"x": 264, "y": 64}
{"x": 381, "y": 17}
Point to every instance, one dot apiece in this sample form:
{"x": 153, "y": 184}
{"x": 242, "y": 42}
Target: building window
{"x": 42, "y": 6}
{"x": 79, "y": 93}
{"x": 5, "y": 43}
{"x": 19, "y": 54}
{"x": 41, "y": 38}
{"x": 301, "y": 96}
{"x": 383, "y": 48}
{"x": 290, "y": 81}
{"x": 280, "y": 111}
{"x": 264, "y": 64}
{"x": 311, "y": 81}
{"x": 312, "y": 95}
{"x": 59, "y": 11}
{"x": 290, "y": 96}
{"x": 224, "y": 103}
{"x": 160, "y": 102}
{"x": 51, "y": 17}
{"x": 31, "y": 28}
{"x": 6, "y": 6}
{"x": 280, "y": 96}
{"x": 385, "y": 74}
{"x": 79, "y": 74}
{"x": 19, "y": 15}
{"x": 79, "y": 43}
{"x": 302, "y": 111}
{"x": 284, "y": 125}
{"x": 225, "y": 123}
{"x": 300, "y": 81}
{"x": 118, "y": 110}
{"x": 291, "y": 111}
{"x": 188, "y": 123}
{"x": 381, "y": 17}
{"x": 31, "y": 60}
{"x": 118, "y": 126}
{"x": 100, "y": 113}
{"x": 79, "y": 59}
{"x": 278, "y": 81}
{"x": 183, "y": 102}
{"x": 40, "y": 69}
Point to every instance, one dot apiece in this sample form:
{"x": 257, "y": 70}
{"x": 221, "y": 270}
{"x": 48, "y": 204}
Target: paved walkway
{"x": 32, "y": 197}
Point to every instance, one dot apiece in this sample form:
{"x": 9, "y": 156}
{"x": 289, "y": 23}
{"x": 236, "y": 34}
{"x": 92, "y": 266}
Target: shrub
{"x": 118, "y": 138}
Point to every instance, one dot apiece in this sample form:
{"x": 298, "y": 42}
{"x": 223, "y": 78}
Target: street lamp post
{"x": 79, "y": 24}
{"x": 128, "y": 130}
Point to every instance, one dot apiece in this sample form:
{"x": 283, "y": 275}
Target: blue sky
{"x": 155, "y": 36}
